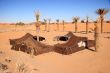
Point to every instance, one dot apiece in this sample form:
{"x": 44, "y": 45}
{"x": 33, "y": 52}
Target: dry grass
{"x": 22, "y": 68}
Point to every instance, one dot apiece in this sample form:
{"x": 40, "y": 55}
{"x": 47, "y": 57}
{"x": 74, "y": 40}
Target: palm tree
{"x": 101, "y": 13}
{"x": 63, "y": 24}
{"x": 37, "y": 24}
{"x": 45, "y": 22}
{"x": 57, "y": 24}
{"x": 75, "y": 20}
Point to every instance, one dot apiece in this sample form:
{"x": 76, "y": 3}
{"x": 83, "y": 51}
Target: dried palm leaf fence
{"x": 29, "y": 45}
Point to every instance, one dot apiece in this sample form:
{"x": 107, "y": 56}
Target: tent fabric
{"x": 71, "y": 46}
{"x": 29, "y": 45}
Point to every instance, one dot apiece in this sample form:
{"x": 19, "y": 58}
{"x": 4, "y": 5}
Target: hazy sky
{"x": 24, "y": 10}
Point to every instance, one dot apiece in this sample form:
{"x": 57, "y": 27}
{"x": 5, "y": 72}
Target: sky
{"x": 24, "y": 10}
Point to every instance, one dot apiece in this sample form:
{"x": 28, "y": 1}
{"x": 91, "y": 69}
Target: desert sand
{"x": 84, "y": 61}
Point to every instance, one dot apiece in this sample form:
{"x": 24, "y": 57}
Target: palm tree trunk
{"x": 49, "y": 26}
{"x": 101, "y": 25}
{"x": 37, "y": 30}
{"x": 38, "y": 34}
{"x": 86, "y": 27}
{"x": 58, "y": 26}
{"x": 75, "y": 27}
{"x": 45, "y": 26}
{"x": 63, "y": 26}
{"x": 96, "y": 36}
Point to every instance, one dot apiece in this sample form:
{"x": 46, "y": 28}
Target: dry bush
{"x": 8, "y": 60}
{"x": 3, "y": 67}
{"x": 22, "y": 68}
{"x": 1, "y": 52}
{"x": 34, "y": 70}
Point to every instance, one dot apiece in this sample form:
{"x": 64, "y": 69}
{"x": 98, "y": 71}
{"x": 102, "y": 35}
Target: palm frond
{"x": 102, "y": 11}
{"x": 75, "y": 19}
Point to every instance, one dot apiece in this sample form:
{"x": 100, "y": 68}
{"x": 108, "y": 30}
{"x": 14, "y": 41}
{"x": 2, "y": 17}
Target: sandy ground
{"x": 85, "y": 61}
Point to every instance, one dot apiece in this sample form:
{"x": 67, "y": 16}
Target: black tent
{"x": 29, "y": 45}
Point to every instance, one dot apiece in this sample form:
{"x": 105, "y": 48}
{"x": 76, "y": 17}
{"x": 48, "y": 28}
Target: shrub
{"x": 82, "y": 21}
{"x": 22, "y": 68}
{"x": 3, "y": 67}
{"x": 107, "y": 21}
{"x": 95, "y": 21}
{"x": 20, "y": 23}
